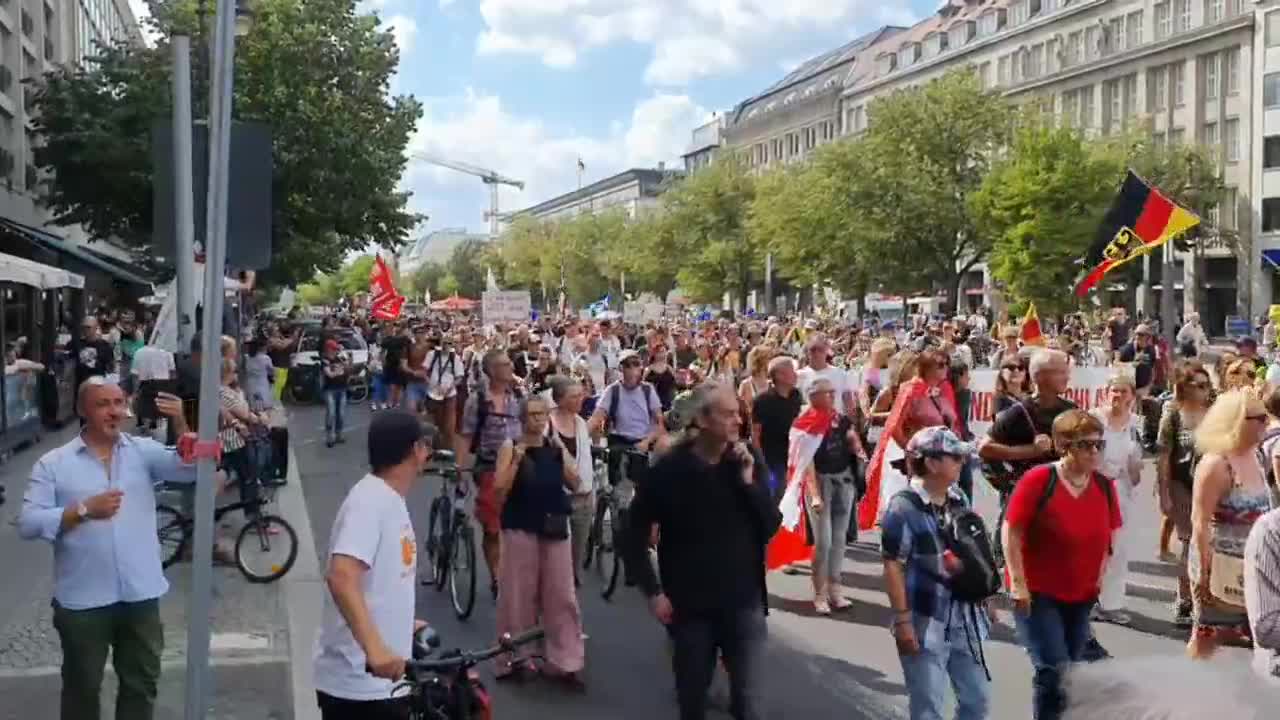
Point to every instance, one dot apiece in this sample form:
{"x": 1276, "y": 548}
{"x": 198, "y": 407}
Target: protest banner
{"x": 505, "y": 306}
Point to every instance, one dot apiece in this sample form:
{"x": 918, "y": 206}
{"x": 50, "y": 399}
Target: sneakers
{"x": 1182, "y": 614}
{"x": 1115, "y": 617}
{"x": 839, "y": 602}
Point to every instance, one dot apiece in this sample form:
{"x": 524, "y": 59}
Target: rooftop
{"x": 650, "y": 179}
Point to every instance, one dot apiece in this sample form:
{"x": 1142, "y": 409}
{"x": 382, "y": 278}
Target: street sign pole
{"x": 183, "y": 210}
{"x": 198, "y": 679}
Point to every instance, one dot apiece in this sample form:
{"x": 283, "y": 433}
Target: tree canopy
{"x": 316, "y": 71}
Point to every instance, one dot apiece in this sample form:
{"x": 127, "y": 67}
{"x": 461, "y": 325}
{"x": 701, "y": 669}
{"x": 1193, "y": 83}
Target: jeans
{"x": 335, "y": 411}
{"x": 241, "y": 464}
{"x": 134, "y": 637}
{"x": 830, "y": 523}
{"x": 928, "y": 672}
{"x": 1055, "y": 634}
{"x": 739, "y": 636}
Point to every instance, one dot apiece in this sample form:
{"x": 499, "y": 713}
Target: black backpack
{"x": 483, "y": 410}
{"x": 965, "y": 535}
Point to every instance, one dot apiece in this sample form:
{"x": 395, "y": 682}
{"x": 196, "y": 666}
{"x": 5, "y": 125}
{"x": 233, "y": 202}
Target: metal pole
{"x": 198, "y": 679}
{"x": 1168, "y": 311}
{"x": 184, "y": 235}
{"x": 768, "y": 284}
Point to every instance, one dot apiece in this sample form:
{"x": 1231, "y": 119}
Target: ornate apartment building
{"x": 1205, "y": 71}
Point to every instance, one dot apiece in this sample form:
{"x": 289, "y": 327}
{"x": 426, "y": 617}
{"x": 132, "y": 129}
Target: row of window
{"x": 793, "y": 145}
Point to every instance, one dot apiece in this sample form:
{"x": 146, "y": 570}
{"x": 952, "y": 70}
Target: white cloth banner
{"x": 1087, "y": 389}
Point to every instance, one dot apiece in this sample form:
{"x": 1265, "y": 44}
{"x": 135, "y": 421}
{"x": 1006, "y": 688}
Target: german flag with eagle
{"x": 1139, "y": 221}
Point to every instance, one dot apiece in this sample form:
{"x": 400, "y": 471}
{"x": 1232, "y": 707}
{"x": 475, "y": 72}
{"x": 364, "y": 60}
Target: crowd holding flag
{"x": 386, "y": 303}
{"x": 1140, "y": 220}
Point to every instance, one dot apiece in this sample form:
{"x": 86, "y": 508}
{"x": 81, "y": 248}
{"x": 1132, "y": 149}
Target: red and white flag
{"x": 790, "y": 544}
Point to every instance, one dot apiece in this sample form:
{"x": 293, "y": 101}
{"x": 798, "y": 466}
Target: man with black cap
{"x": 367, "y": 628}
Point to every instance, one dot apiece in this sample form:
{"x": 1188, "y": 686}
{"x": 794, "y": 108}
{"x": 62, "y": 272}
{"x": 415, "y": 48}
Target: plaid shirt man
{"x": 912, "y": 537}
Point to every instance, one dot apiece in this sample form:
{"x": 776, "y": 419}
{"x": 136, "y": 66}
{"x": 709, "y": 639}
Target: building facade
{"x": 1186, "y": 70}
{"x": 35, "y": 37}
{"x": 634, "y": 192}
{"x": 705, "y": 144}
{"x": 434, "y": 247}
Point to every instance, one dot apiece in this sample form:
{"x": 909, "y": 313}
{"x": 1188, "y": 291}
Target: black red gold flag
{"x": 1140, "y": 220}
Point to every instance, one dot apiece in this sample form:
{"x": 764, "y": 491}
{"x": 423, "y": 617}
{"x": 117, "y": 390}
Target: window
{"x": 1211, "y": 77}
{"x": 1019, "y": 14}
{"x": 1209, "y": 135}
{"x": 1177, "y": 136}
{"x": 1271, "y": 152}
{"x": 1179, "y": 83}
{"x": 1086, "y": 106}
{"x": 1036, "y": 68}
{"x": 1229, "y": 215}
{"x": 1271, "y": 90}
{"x": 1091, "y": 46}
{"x": 1114, "y": 107}
{"x": 1270, "y": 214}
{"x": 1115, "y": 35}
{"x": 1070, "y": 108}
{"x": 1232, "y": 70}
{"x": 984, "y": 75}
{"x": 1273, "y": 28}
{"x": 1182, "y": 15}
{"x": 1130, "y": 95}
{"x": 1231, "y": 138}
{"x": 1075, "y": 47}
{"x": 1052, "y": 52}
{"x": 1018, "y": 67}
{"x": 1164, "y": 20}
{"x": 1158, "y": 79}
{"x": 987, "y": 24}
{"x": 1002, "y": 71}
{"x": 1213, "y": 10}
{"x": 1133, "y": 29}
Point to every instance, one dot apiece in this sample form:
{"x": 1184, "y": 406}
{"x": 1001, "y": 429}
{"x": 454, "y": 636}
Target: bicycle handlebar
{"x": 506, "y": 643}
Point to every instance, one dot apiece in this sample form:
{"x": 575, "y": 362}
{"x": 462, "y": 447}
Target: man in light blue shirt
{"x": 94, "y": 500}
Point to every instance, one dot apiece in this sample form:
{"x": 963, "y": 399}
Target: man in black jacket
{"x": 709, "y": 497}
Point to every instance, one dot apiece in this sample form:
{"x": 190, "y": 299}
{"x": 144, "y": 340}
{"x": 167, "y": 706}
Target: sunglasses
{"x": 1257, "y": 418}
{"x": 1097, "y": 445}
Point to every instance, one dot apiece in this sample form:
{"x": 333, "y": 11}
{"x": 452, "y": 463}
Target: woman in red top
{"x": 1057, "y": 537}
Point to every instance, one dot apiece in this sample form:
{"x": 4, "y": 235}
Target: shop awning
{"x": 60, "y": 245}
{"x": 38, "y": 275}
{"x": 1272, "y": 257}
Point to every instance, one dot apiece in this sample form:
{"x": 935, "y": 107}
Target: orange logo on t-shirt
{"x": 407, "y": 550}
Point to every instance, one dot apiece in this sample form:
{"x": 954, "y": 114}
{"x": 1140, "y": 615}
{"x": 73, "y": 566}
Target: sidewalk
{"x": 249, "y": 644}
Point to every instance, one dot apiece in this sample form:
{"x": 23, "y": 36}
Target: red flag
{"x": 386, "y": 303}
{"x": 908, "y": 393}
{"x": 1031, "y": 333}
{"x": 790, "y": 544}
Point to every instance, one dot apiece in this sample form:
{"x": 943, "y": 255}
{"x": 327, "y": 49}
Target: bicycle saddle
{"x": 425, "y": 642}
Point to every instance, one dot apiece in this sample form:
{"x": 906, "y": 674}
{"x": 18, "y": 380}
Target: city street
{"x": 814, "y": 664}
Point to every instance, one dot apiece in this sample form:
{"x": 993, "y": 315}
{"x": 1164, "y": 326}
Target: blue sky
{"x": 526, "y": 87}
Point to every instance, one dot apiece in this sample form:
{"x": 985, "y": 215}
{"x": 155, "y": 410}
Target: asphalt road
{"x": 845, "y": 663}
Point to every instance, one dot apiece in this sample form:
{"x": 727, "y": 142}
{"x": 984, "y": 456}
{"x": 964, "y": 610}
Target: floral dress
{"x": 1234, "y": 517}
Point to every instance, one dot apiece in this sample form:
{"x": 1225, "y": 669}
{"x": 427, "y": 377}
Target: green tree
{"x": 354, "y": 276}
{"x": 1042, "y": 203}
{"x": 449, "y": 285}
{"x": 316, "y": 71}
{"x": 426, "y": 278}
{"x": 706, "y": 217}
{"x": 322, "y": 290}
{"x": 932, "y": 146}
{"x": 468, "y": 267}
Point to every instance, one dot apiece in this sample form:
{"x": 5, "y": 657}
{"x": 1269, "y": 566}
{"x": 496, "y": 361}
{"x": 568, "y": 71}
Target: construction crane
{"x": 489, "y": 177}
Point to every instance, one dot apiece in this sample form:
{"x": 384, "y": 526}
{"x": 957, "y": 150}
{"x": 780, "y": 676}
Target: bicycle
{"x": 609, "y": 523}
{"x": 451, "y": 542}
{"x": 448, "y": 687}
{"x": 175, "y": 529}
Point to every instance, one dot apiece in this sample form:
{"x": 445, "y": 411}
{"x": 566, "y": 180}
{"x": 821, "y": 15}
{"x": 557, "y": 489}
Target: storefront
{"x": 32, "y": 298}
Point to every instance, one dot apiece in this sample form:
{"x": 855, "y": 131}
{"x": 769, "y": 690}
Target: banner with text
{"x": 505, "y": 306}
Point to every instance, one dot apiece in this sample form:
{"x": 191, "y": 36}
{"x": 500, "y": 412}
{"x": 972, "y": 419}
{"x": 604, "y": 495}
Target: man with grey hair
{"x": 710, "y": 498}
{"x": 772, "y": 414}
{"x": 93, "y": 499}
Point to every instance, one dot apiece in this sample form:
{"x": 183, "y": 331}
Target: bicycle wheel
{"x": 172, "y": 532}
{"x": 462, "y": 571}
{"x": 266, "y": 548}
{"x": 434, "y": 546}
{"x": 610, "y": 563}
{"x": 358, "y": 391}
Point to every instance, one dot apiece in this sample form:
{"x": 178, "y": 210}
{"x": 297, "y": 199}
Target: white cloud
{"x": 689, "y": 38}
{"x": 445, "y": 3}
{"x": 405, "y": 29}
{"x": 477, "y": 129}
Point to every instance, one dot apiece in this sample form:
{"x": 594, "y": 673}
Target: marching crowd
{"x": 753, "y": 444}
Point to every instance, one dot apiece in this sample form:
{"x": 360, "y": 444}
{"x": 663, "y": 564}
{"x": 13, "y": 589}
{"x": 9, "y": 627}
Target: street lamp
{"x": 244, "y": 17}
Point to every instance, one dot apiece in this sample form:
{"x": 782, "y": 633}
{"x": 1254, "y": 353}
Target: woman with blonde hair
{"x": 1239, "y": 375}
{"x": 902, "y": 368}
{"x": 756, "y": 382}
{"x": 1122, "y": 462}
{"x": 1229, "y": 494}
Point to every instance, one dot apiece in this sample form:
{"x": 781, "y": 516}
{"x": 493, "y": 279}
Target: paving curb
{"x": 303, "y": 594}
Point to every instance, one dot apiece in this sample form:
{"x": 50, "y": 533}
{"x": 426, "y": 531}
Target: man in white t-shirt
{"x": 444, "y": 369}
{"x": 366, "y": 632}
{"x": 602, "y": 367}
{"x": 818, "y": 353}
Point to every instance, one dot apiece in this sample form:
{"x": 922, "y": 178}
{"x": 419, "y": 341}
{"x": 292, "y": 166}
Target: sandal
{"x": 821, "y": 607}
{"x": 839, "y": 602}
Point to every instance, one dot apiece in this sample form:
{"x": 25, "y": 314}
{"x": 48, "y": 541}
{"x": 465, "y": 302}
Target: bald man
{"x": 93, "y": 500}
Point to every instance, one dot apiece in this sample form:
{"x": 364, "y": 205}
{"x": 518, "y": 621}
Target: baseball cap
{"x": 939, "y": 440}
{"x": 331, "y": 346}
